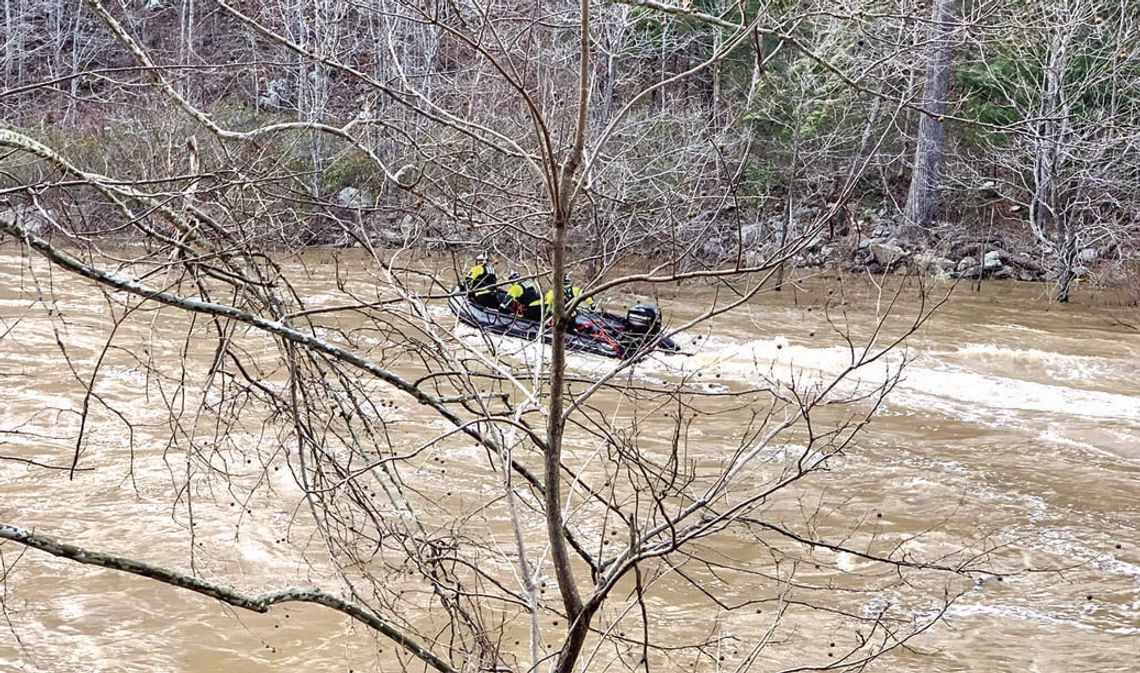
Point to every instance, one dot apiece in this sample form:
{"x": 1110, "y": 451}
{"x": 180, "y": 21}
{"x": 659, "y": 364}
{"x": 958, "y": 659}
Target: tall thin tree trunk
{"x": 1066, "y": 259}
{"x": 10, "y": 45}
{"x": 920, "y": 199}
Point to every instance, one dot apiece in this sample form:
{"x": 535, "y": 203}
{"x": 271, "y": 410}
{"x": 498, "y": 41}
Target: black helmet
{"x": 481, "y": 257}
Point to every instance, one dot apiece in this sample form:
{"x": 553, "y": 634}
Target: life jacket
{"x": 524, "y": 294}
{"x": 573, "y": 292}
{"x": 481, "y": 279}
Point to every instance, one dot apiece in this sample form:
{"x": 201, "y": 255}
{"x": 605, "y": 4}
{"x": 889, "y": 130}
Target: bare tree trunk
{"x": 10, "y": 45}
{"x": 789, "y": 201}
{"x": 1066, "y": 260}
{"x": 928, "y": 148}
{"x": 186, "y": 42}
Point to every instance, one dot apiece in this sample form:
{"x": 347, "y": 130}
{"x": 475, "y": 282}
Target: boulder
{"x": 992, "y": 261}
{"x": 965, "y": 263}
{"x": 970, "y": 272}
{"x": 1080, "y": 271}
{"x": 1005, "y": 272}
{"x": 816, "y": 243}
{"x": 888, "y": 254}
{"x": 751, "y": 235}
{"x": 882, "y": 230}
{"x": 351, "y": 197}
{"x": 863, "y": 257}
{"x": 1028, "y": 268}
{"x": 1088, "y": 255}
{"x": 933, "y": 264}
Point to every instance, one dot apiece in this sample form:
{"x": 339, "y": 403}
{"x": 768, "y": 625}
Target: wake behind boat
{"x": 597, "y": 332}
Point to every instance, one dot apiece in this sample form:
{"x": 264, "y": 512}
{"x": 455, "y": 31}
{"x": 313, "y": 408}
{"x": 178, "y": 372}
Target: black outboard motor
{"x": 643, "y": 319}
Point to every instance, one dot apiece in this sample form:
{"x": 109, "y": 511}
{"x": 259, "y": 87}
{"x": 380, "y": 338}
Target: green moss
{"x": 352, "y": 168}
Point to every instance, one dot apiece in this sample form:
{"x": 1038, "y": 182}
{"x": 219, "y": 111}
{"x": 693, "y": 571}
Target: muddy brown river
{"x": 1014, "y": 432}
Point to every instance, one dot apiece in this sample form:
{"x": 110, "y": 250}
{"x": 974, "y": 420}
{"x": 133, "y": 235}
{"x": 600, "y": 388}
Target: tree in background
{"x": 921, "y": 197}
{"x": 1062, "y": 99}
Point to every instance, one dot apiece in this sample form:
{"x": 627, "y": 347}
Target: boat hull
{"x": 602, "y": 334}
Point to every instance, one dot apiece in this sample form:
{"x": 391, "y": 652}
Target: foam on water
{"x": 929, "y": 383}
{"x": 954, "y": 390}
{"x": 926, "y": 383}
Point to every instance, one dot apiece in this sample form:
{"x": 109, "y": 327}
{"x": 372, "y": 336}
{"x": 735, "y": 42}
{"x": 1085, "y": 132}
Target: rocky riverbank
{"x": 871, "y": 244}
{"x": 878, "y": 248}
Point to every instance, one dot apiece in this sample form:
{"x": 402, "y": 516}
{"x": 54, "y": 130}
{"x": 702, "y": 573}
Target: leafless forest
{"x": 930, "y": 134}
{"x": 173, "y": 154}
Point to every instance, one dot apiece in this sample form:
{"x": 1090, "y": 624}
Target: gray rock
{"x": 351, "y": 197}
{"x": 751, "y": 235}
{"x": 933, "y": 264}
{"x": 971, "y": 272}
{"x": 1088, "y": 255}
{"x": 1005, "y": 272}
{"x": 888, "y": 254}
{"x": 809, "y": 261}
{"x": 753, "y": 258}
{"x": 992, "y": 261}
{"x": 863, "y": 257}
{"x": 816, "y": 243}
{"x": 1080, "y": 271}
{"x": 882, "y": 230}
{"x": 155, "y": 5}
{"x": 26, "y": 219}
{"x": 965, "y": 263}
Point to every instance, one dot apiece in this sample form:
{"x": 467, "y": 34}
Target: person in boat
{"x": 481, "y": 282}
{"x": 570, "y": 292}
{"x": 523, "y": 298}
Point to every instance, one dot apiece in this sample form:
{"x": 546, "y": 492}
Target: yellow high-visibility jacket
{"x": 574, "y": 293}
{"x": 481, "y": 279}
{"x": 524, "y": 293}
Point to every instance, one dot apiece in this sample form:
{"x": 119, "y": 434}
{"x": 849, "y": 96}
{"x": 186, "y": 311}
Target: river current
{"x": 1015, "y": 428}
